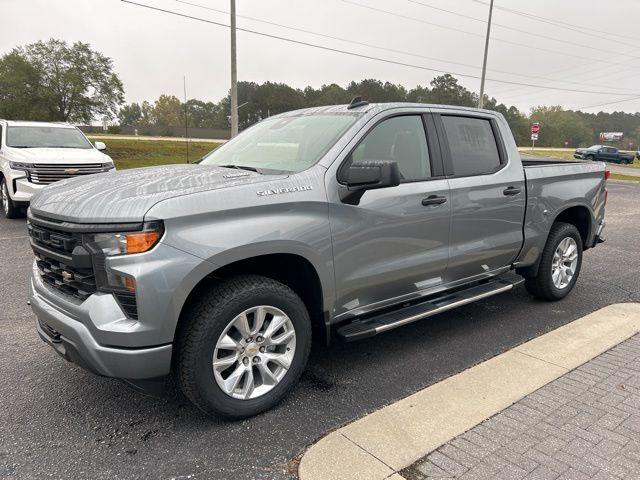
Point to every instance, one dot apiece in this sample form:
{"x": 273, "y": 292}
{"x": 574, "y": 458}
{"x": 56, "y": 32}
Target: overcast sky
{"x": 152, "y": 50}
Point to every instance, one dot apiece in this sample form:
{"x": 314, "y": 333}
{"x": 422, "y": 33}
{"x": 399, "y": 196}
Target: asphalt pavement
{"x": 58, "y": 421}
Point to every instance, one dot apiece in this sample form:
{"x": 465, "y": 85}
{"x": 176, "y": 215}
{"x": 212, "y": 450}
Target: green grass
{"x": 147, "y": 153}
{"x": 565, "y": 155}
{"x": 618, "y": 176}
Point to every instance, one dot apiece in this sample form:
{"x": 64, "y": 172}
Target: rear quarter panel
{"x": 551, "y": 189}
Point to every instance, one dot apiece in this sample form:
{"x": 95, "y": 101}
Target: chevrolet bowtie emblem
{"x": 71, "y": 171}
{"x": 67, "y": 276}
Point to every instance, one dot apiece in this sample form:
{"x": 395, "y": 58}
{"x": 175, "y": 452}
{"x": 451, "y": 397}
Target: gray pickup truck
{"x": 345, "y": 221}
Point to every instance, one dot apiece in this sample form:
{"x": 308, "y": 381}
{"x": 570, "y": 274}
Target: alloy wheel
{"x": 254, "y": 352}
{"x": 4, "y": 197}
{"x": 565, "y": 261}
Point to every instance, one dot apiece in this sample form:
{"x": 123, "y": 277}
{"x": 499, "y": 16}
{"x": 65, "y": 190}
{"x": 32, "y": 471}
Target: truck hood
{"x": 125, "y": 196}
{"x": 57, "y": 155}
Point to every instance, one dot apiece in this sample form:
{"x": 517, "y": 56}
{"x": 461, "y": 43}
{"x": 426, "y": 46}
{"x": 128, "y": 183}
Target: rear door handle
{"x": 433, "y": 200}
{"x": 511, "y": 191}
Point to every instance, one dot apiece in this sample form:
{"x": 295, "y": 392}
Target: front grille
{"x": 44, "y": 174}
{"x": 64, "y": 263}
{"x": 54, "y": 256}
{"x": 72, "y": 281}
{"x": 57, "y": 241}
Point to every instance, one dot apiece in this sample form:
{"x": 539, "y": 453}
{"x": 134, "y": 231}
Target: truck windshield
{"x": 45, "y": 137}
{"x": 283, "y": 144}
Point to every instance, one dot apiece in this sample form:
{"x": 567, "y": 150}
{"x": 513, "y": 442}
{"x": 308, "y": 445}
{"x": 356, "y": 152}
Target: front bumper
{"x": 20, "y": 188}
{"x": 73, "y": 340}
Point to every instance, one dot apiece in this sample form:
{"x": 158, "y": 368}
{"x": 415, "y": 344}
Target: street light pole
{"x": 484, "y": 61}
{"x": 234, "y": 73}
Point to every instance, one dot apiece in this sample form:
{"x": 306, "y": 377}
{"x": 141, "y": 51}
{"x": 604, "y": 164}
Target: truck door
{"x": 394, "y": 243}
{"x": 487, "y": 194}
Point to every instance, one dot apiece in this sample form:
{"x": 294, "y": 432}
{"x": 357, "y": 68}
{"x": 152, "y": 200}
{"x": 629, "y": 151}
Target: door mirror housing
{"x": 371, "y": 174}
{"x": 100, "y": 146}
{"x": 359, "y": 177}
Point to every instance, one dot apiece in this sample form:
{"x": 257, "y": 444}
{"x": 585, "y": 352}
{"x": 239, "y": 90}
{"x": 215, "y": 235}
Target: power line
{"x": 561, "y": 24}
{"x": 512, "y": 89}
{"x": 519, "y": 30}
{"x": 354, "y": 54}
{"x": 466, "y": 32}
{"x": 392, "y": 50}
{"x": 609, "y": 103}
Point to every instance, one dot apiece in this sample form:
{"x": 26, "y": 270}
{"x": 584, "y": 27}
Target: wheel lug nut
{"x": 245, "y": 361}
{"x": 256, "y": 359}
{"x": 259, "y": 339}
{"x": 262, "y": 349}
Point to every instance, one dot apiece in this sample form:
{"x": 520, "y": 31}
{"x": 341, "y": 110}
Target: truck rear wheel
{"x": 560, "y": 264}
{"x": 9, "y": 209}
{"x": 243, "y": 346}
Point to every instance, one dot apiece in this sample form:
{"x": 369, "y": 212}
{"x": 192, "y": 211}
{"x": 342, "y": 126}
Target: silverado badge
{"x": 277, "y": 191}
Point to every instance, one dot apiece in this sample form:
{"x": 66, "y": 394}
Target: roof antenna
{"x": 357, "y": 102}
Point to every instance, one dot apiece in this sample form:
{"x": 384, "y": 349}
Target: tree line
{"x": 559, "y": 127}
{"x": 57, "y": 81}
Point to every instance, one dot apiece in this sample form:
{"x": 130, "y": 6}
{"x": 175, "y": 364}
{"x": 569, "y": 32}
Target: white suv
{"x": 35, "y": 154}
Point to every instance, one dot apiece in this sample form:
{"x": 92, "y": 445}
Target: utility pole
{"x": 484, "y": 61}
{"x": 234, "y": 73}
{"x": 186, "y": 116}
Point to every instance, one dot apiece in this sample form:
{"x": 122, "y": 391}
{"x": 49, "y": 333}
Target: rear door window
{"x": 472, "y": 144}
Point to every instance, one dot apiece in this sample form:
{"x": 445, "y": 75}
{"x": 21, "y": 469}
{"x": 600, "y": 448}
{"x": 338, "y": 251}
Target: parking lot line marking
{"x": 14, "y": 238}
{"x": 397, "y": 435}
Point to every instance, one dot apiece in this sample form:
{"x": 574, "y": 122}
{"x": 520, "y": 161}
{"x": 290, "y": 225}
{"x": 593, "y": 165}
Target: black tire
{"x": 542, "y": 286}
{"x": 589, "y": 157}
{"x": 9, "y": 209}
{"x": 204, "y": 322}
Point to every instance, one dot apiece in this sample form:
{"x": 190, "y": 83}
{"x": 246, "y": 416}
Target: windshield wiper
{"x": 241, "y": 167}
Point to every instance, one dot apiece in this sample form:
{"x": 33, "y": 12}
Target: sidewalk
{"x": 584, "y": 425}
{"x": 564, "y": 405}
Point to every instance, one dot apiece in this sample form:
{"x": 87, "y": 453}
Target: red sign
{"x": 535, "y": 128}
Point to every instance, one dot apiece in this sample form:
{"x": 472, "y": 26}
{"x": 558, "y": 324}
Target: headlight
{"x": 126, "y": 243}
{"x": 19, "y": 166}
{"x": 108, "y": 166}
{"x": 103, "y": 245}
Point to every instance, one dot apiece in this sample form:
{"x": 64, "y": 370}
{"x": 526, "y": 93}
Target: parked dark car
{"x": 603, "y": 153}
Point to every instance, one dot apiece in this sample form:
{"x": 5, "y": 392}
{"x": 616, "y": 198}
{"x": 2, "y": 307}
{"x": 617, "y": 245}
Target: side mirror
{"x": 100, "y": 146}
{"x": 367, "y": 175}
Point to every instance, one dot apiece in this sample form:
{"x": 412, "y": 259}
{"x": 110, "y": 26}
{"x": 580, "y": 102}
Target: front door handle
{"x": 511, "y": 191}
{"x": 433, "y": 200}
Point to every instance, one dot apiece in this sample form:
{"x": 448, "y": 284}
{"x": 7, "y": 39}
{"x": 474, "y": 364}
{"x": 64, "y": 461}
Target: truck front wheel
{"x": 243, "y": 346}
{"x": 560, "y": 264}
{"x": 9, "y": 209}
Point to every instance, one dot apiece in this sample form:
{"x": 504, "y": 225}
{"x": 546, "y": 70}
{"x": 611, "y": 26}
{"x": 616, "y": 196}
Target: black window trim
{"x": 433, "y": 147}
{"x": 446, "y": 152}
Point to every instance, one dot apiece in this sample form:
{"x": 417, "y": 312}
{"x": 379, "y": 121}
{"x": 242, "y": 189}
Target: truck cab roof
{"x": 374, "y": 108}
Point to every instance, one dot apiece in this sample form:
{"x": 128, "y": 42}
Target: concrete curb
{"x": 392, "y": 438}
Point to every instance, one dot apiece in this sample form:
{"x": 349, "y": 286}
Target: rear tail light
{"x": 607, "y": 174}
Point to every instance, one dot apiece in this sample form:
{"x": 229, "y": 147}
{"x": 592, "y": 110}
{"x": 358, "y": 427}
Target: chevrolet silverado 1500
{"x": 344, "y": 221}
